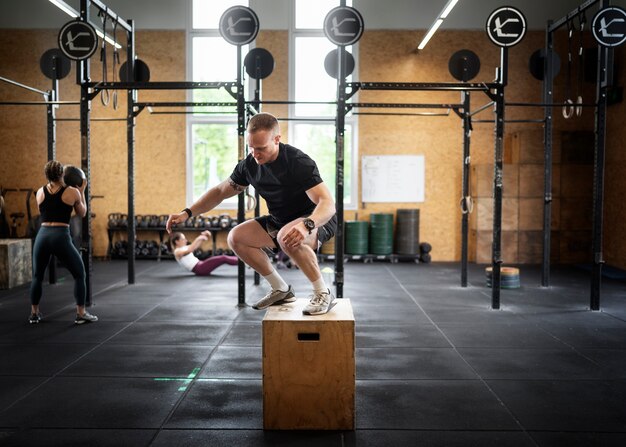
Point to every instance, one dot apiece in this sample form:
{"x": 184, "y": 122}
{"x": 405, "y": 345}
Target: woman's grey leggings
{"x": 56, "y": 241}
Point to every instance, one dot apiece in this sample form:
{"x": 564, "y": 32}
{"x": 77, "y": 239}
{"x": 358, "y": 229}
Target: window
{"x": 313, "y": 129}
{"x": 212, "y": 131}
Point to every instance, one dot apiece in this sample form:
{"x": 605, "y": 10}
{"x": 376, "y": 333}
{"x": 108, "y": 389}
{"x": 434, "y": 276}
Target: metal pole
{"x": 467, "y": 132}
{"x": 497, "y": 180}
{"x": 52, "y": 139}
{"x": 131, "y": 96}
{"x": 257, "y": 203}
{"x": 605, "y": 75}
{"x": 241, "y": 128}
{"x": 85, "y": 158}
{"x": 339, "y": 177}
{"x": 548, "y": 97}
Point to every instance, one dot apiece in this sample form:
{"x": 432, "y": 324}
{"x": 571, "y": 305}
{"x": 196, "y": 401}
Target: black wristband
{"x": 188, "y": 211}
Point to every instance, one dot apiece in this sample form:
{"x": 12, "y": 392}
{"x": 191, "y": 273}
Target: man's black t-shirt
{"x": 282, "y": 183}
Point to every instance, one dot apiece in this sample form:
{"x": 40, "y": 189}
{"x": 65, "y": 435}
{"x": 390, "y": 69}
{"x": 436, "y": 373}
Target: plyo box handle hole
{"x": 308, "y": 336}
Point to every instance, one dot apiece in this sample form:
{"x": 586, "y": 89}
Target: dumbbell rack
{"x": 161, "y": 231}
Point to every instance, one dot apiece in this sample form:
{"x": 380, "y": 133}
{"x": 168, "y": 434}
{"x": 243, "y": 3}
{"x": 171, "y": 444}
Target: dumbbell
{"x": 224, "y": 221}
{"x": 113, "y": 220}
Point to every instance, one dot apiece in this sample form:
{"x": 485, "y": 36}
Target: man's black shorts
{"x": 272, "y": 226}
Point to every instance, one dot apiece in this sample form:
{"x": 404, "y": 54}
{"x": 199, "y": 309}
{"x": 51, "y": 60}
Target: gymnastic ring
{"x": 251, "y": 202}
{"x": 579, "y": 105}
{"x": 467, "y": 205}
{"x": 568, "y": 109}
{"x": 105, "y": 97}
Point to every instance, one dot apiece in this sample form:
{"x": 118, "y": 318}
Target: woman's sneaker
{"x": 275, "y": 297}
{"x": 319, "y": 304}
{"x": 85, "y": 318}
{"x": 35, "y": 318}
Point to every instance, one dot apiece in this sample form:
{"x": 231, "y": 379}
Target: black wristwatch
{"x": 309, "y": 224}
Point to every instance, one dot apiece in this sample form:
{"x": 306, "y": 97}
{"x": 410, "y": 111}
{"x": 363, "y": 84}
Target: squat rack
{"x": 51, "y": 101}
{"x": 89, "y": 90}
{"x": 494, "y": 90}
{"x": 603, "y": 82}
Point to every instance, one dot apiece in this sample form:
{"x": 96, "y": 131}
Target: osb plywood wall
{"x": 385, "y": 56}
{"x": 389, "y": 56}
{"x": 160, "y": 139}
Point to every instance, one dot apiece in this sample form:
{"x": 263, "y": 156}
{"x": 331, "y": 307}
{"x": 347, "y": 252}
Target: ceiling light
{"x": 67, "y": 9}
{"x": 436, "y": 24}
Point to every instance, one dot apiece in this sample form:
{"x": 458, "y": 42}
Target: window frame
{"x": 351, "y": 121}
{"x": 191, "y": 119}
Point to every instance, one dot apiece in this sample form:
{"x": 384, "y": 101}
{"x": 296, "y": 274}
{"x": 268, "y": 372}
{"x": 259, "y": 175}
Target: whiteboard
{"x": 392, "y": 178}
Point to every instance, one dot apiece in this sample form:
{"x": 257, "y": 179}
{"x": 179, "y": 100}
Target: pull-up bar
{"x": 164, "y": 85}
{"x": 404, "y": 105}
{"x": 108, "y": 11}
{"x": 431, "y": 86}
{"x": 563, "y": 20}
{"x": 101, "y": 7}
{"x": 446, "y": 113}
{"x": 32, "y": 89}
{"x": 38, "y": 103}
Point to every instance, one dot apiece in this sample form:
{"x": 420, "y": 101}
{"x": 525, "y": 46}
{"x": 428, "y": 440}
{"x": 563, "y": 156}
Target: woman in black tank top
{"x": 56, "y": 202}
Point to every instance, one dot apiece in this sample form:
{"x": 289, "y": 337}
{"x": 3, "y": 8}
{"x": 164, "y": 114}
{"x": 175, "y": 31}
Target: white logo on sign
{"x": 336, "y": 26}
{"x": 231, "y": 26}
{"x": 499, "y": 26}
{"x": 604, "y": 27}
{"x": 70, "y": 41}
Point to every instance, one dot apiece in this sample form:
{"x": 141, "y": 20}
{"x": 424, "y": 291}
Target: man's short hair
{"x": 263, "y": 121}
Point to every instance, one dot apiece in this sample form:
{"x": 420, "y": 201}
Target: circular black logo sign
{"x": 78, "y": 40}
{"x": 609, "y": 26}
{"x": 506, "y": 26}
{"x": 239, "y": 25}
{"x": 343, "y": 25}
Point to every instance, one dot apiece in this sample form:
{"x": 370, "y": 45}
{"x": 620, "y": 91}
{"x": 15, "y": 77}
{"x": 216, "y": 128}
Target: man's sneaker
{"x": 85, "y": 318}
{"x": 319, "y": 304}
{"x": 275, "y": 297}
{"x": 35, "y": 318}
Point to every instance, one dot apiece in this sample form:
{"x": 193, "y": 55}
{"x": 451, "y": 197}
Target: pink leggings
{"x": 205, "y": 267}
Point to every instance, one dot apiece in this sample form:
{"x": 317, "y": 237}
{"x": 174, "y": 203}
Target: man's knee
{"x": 238, "y": 237}
{"x": 233, "y": 238}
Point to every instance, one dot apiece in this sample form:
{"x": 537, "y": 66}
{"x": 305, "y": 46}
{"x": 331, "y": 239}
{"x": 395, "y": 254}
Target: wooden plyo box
{"x": 15, "y": 262}
{"x": 308, "y": 368}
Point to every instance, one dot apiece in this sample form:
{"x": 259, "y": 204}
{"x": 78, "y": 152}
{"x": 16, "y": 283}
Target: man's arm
{"x": 323, "y": 212}
{"x": 325, "y": 209}
{"x": 207, "y": 202}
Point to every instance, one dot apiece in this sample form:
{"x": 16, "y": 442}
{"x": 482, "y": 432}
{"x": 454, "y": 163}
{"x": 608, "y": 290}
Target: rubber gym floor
{"x": 174, "y": 362}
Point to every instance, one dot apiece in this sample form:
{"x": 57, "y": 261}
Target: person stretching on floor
{"x": 183, "y": 253}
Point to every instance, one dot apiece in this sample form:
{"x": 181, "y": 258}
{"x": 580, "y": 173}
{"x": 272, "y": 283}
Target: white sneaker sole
{"x": 290, "y": 299}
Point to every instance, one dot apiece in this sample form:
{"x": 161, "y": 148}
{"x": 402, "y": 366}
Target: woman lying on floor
{"x": 183, "y": 252}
